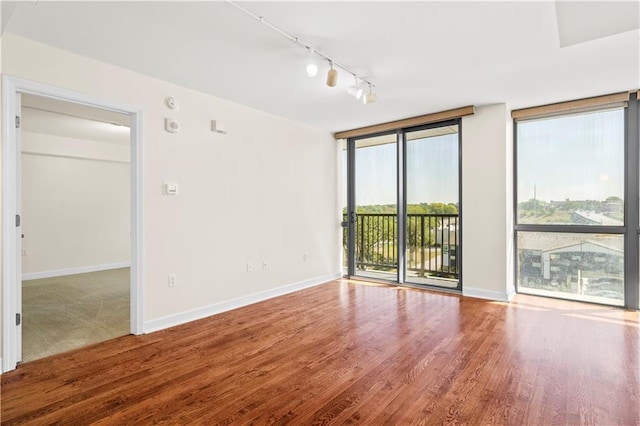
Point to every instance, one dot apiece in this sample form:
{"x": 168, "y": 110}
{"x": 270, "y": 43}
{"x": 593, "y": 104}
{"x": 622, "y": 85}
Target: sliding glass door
{"x": 432, "y": 212}
{"x": 402, "y": 211}
{"x": 375, "y": 223}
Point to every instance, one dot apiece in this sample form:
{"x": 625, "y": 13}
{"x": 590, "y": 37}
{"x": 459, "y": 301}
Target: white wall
{"x": 75, "y": 206}
{"x": 1, "y": 184}
{"x": 487, "y": 203}
{"x": 266, "y": 190}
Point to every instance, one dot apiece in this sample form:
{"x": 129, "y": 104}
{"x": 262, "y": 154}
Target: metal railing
{"x": 431, "y": 243}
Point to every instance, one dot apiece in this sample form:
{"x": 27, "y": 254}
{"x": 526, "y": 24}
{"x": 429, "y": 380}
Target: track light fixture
{"x": 355, "y": 90}
{"x": 311, "y": 67}
{"x": 332, "y": 76}
{"x": 370, "y": 97}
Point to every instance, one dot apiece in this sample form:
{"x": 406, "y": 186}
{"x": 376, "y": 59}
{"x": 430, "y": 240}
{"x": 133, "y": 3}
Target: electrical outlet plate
{"x": 265, "y": 265}
{"x": 249, "y": 266}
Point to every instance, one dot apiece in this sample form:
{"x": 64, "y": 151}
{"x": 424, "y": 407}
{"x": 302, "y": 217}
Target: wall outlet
{"x": 305, "y": 257}
{"x": 265, "y": 265}
{"x": 249, "y": 266}
{"x": 173, "y": 280}
{"x": 26, "y": 252}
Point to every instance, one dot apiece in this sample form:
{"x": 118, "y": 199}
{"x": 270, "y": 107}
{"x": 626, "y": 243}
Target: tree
{"x": 377, "y": 230}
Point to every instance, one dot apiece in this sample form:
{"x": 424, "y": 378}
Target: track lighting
{"x": 312, "y": 68}
{"x": 355, "y": 90}
{"x": 370, "y": 97}
{"x": 332, "y": 76}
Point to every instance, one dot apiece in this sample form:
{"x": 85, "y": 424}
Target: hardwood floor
{"x": 348, "y": 352}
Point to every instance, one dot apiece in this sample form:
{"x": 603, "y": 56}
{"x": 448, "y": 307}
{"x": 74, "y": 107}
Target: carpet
{"x": 64, "y": 313}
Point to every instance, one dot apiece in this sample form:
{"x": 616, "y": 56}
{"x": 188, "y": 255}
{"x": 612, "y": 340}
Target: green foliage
{"x": 377, "y": 231}
{"x": 538, "y": 211}
{"x": 422, "y": 208}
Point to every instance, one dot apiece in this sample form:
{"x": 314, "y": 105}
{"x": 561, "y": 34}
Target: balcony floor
{"x": 412, "y": 278}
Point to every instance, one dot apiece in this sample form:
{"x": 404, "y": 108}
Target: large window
{"x": 571, "y": 170}
{"x": 571, "y": 191}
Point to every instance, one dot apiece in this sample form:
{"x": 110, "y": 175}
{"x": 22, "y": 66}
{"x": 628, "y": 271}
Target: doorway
{"x": 402, "y": 215}
{"x": 75, "y": 203}
{"x": 72, "y": 265}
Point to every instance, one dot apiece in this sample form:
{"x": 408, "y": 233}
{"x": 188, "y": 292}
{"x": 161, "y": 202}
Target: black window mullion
{"x": 632, "y": 214}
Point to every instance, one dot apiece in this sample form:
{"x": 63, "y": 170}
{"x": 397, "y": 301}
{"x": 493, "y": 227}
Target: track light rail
{"x": 299, "y": 42}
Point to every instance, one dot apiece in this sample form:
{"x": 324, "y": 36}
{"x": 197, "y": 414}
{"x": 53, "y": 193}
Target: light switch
{"x": 170, "y": 188}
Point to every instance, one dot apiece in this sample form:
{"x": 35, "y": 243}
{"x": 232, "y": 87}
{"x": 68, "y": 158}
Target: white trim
{"x": 217, "y": 308}
{"x": 10, "y": 275}
{"x": 74, "y": 271}
{"x": 487, "y": 294}
{"x": 137, "y": 244}
{"x": 9, "y": 230}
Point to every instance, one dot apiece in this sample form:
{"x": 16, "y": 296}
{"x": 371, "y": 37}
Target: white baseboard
{"x": 487, "y": 294}
{"x": 73, "y": 271}
{"x": 206, "y": 311}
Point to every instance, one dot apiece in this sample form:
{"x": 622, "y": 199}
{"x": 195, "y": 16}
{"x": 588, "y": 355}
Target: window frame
{"x": 631, "y": 192}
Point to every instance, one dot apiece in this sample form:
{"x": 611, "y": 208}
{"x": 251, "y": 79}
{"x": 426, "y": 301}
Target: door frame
{"x": 11, "y": 269}
{"x": 401, "y": 185}
{"x": 451, "y": 122}
{"x": 351, "y": 200}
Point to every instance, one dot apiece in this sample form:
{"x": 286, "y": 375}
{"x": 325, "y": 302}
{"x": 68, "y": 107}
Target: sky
{"x": 432, "y": 172}
{"x": 579, "y": 157}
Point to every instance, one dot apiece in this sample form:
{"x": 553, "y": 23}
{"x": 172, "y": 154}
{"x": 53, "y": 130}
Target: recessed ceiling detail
{"x": 584, "y": 21}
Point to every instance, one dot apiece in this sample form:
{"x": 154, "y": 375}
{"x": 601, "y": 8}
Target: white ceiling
{"x": 422, "y": 56}
{"x": 582, "y": 21}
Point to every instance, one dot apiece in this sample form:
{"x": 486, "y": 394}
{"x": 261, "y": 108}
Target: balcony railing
{"x": 431, "y": 250}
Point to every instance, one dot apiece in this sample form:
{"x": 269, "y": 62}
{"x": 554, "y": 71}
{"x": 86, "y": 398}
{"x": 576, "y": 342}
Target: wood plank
{"x": 348, "y": 352}
{"x": 407, "y": 122}
{"x": 578, "y": 106}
